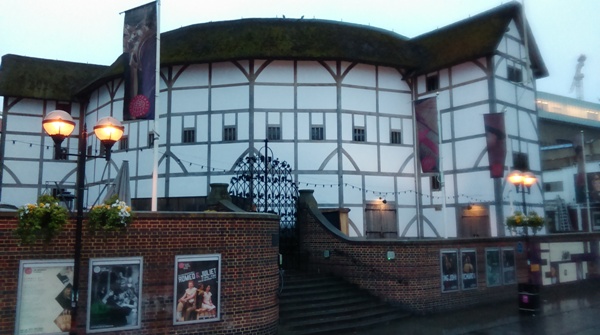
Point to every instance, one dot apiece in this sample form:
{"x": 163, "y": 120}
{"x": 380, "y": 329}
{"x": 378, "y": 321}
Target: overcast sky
{"x": 90, "y": 31}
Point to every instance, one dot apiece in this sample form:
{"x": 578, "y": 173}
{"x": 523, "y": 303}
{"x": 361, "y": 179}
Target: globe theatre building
{"x": 334, "y": 100}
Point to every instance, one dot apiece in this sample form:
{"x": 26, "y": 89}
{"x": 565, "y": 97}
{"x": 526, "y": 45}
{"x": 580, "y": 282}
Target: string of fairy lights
{"x": 389, "y": 195}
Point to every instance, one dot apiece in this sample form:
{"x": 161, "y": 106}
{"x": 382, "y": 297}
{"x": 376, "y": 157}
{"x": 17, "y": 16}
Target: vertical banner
{"x": 580, "y": 189}
{"x": 495, "y": 135}
{"x": 197, "y": 289}
{"x": 493, "y": 267}
{"x": 469, "y": 269}
{"x": 44, "y": 297}
{"x": 508, "y": 266}
{"x": 139, "y": 51}
{"x": 449, "y": 266}
{"x": 114, "y": 294}
{"x": 427, "y": 134}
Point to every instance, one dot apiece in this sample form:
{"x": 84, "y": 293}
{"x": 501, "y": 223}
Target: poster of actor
{"x": 508, "y": 266}
{"x": 115, "y": 290}
{"x": 449, "y": 266}
{"x": 197, "y": 288}
{"x": 468, "y": 269}
{"x": 44, "y": 297}
{"x": 493, "y": 268}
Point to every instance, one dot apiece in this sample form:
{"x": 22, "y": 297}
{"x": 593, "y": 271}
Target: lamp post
{"x": 529, "y": 300}
{"x": 59, "y": 125}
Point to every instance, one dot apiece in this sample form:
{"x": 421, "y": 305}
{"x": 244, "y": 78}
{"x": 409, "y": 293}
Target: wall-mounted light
{"x": 391, "y": 255}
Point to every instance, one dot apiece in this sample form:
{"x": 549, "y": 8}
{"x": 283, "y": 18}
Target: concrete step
{"x": 322, "y": 304}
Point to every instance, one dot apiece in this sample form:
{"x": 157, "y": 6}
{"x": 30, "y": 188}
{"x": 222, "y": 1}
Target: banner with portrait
{"x": 44, "y": 297}
{"x": 114, "y": 294}
{"x": 495, "y": 136}
{"x": 493, "y": 267}
{"x": 449, "y": 267}
{"x": 139, "y": 56}
{"x": 468, "y": 264}
{"x": 197, "y": 289}
{"x": 508, "y": 266}
{"x": 593, "y": 187}
{"x": 428, "y": 138}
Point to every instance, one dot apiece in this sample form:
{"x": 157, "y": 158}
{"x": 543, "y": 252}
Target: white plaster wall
{"x": 276, "y": 72}
{"x": 226, "y": 98}
{"x": 193, "y": 75}
{"x": 309, "y": 72}
{"x": 227, "y": 73}
{"x": 317, "y": 97}
{"x": 470, "y": 93}
{"x": 190, "y": 100}
{"x": 469, "y": 71}
{"x": 275, "y": 97}
{"x": 361, "y": 75}
{"x": 356, "y": 99}
{"x": 389, "y": 78}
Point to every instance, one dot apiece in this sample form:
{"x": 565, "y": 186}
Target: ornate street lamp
{"x": 59, "y": 125}
{"x": 523, "y": 182}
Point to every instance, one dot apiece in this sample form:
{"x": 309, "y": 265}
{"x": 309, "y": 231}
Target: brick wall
{"x": 249, "y": 267}
{"x": 413, "y": 279}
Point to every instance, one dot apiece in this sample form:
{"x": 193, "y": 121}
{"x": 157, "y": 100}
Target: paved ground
{"x": 569, "y": 309}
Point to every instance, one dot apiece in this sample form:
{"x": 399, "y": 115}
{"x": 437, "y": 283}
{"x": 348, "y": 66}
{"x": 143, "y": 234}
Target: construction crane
{"x": 577, "y": 85}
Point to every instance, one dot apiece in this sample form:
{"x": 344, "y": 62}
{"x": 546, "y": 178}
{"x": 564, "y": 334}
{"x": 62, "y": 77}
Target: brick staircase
{"x": 323, "y": 304}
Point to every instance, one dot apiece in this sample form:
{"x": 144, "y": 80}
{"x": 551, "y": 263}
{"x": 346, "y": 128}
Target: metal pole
{"x": 81, "y": 157}
{"x": 524, "y": 204}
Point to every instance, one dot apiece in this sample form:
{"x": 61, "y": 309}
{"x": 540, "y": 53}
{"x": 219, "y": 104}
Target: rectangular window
{"x": 316, "y": 133}
{"x": 229, "y": 133}
{"x": 553, "y": 186}
{"x": 189, "y": 135}
{"x": 150, "y": 140}
{"x": 436, "y": 185}
{"x": 520, "y": 161}
{"x": 274, "y": 133}
{"x": 64, "y": 106}
{"x": 358, "y": 134}
{"x": 514, "y": 74}
{"x": 124, "y": 143}
{"x": 396, "y": 137}
{"x": 432, "y": 82}
{"x": 89, "y": 150}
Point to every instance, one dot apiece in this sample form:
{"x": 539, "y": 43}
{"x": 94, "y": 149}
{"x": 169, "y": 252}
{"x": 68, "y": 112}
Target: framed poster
{"x": 44, "y": 297}
{"x": 449, "y": 266}
{"x": 508, "y": 266}
{"x": 468, "y": 262}
{"x": 197, "y": 289}
{"x": 493, "y": 267}
{"x": 114, "y": 294}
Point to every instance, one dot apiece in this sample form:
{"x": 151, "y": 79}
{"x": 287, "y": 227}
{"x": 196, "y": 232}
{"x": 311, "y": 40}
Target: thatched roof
{"x": 475, "y": 37}
{"x": 280, "y": 39}
{"x": 44, "y": 79}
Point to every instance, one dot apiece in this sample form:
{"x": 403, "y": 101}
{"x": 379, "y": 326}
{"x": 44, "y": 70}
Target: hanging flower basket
{"x": 113, "y": 215}
{"x": 519, "y": 221}
{"x": 40, "y": 221}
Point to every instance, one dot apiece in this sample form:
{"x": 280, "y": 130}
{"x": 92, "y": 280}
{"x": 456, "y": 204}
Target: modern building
{"x": 337, "y": 101}
{"x": 569, "y": 134}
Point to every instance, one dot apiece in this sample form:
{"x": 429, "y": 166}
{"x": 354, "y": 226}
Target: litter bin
{"x": 529, "y": 298}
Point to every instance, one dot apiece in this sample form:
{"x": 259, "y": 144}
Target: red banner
{"x": 427, "y": 134}
{"x": 139, "y": 51}
{"x": 495, "y": 134}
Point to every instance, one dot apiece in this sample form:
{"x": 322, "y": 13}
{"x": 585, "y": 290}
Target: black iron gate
{"x": 266, "y": 185}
